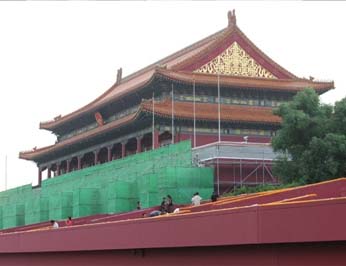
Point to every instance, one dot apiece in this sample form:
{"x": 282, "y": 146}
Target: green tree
{"x": 312, "y": 139}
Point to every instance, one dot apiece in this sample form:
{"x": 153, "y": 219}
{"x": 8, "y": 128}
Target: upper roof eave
{"x": 247, "y": 82}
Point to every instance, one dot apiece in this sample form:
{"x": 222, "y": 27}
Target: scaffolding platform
{"x": 237, "y": 163}
{"x": 234, "y": 150}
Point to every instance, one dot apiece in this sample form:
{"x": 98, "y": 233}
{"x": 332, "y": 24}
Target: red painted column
{"x": 96, "y": 156}
{"x": 139, "y": 144}
{"x": 49, "y": 174}
{"x": 177, "y": 137}
{"x": 58, "y": 168}
{"x": 123, "y": 149}
{"x": 156, "y": 139}
{"x": 67, "y": 166}
{"x": 79, "y": 162}
{"x": 39, "y": 176}
{"x": 109, "y": 153}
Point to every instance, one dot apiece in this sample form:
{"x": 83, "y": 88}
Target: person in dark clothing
{"x": 138, "y": 205}
{"x": 163, "y": 207}
{"x": 214, "y": 196}
{"x": 169, "y": 204}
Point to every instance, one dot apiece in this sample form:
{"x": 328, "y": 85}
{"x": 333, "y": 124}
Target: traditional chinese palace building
{"x": 223, "y": 78}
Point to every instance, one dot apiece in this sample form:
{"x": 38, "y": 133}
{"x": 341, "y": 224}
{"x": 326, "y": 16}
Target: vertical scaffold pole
{"x": 241, "y": 173}
{"x": 153, "y": 134}
{"x": 218, "y": 169}
{"x": 219, "y": 134}
{"x": 256, "y": 173}
{"x": 262, "y": 167}
{"x": 194, "y": 113}
{"x": 172, "y": 114}
{"x": 219, "y": 106}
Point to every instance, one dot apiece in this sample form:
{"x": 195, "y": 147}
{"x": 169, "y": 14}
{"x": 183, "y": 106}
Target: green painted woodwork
{"x": 109, "y": 188}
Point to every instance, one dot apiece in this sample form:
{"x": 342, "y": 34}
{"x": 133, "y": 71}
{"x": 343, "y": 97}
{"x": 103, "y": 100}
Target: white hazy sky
{"x": 56, "y": 57}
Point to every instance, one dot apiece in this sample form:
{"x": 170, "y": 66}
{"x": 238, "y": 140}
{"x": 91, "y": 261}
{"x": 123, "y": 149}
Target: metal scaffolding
{"x": 238, "y": 156}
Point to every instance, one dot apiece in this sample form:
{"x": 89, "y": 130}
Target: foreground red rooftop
{"x": 284, "y": 219}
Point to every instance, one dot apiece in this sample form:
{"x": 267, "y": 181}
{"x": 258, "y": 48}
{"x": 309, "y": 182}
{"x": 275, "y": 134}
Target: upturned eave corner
{"x": 45, "y": 125}
{"x": 25, "y": 155}
{"x": 48, "y": 125}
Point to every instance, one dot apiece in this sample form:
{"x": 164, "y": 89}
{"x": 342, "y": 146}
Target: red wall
{"x": 317, "y": 254}
{"x": 230, "y": 174}
{"x": 318, "y": 221}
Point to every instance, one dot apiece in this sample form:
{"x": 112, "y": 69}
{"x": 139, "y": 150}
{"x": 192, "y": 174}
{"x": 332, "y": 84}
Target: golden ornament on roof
{"x": 235, "y": 61}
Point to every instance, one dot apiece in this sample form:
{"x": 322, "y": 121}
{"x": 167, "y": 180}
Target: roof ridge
{"x": 181, "y": 64}
{"x": 233, "y": 28}
{"x": 175, "y": 54}
{"x": 266, "y": 56}
{"x": 154, "y": 65}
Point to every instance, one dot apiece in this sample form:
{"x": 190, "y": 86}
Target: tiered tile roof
{"x": 182, "y": 110}
{"x": 181, "y": 65}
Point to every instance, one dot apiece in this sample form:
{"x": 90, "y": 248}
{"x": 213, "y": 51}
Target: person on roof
{"x": 138, "y": 205}
{"x": 214, "y": 196}
{"x": 54, "y": 224}
{"x": 196, "y": 199}
{"x": 163, "y": 207}
{"x": 155, "y": 213}
{"x": 169, "y": 204}
{"x": 69, "y": 221}
{"x": 176, "y": 210}
{"x": 152, "y": 213}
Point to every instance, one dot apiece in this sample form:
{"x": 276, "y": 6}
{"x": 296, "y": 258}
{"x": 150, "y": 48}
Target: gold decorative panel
{"x": 235, "y": 61}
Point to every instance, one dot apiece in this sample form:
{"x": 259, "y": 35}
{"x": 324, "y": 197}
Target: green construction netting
{"x": 110, "y": 187}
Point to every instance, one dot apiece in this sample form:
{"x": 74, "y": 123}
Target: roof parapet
{"x": 232, "y": 20}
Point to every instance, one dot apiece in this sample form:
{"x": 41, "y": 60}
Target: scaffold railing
{"x": 233, "y": 150}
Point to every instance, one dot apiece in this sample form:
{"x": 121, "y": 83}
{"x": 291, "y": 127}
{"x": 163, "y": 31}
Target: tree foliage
{"x": 312, "y": 139}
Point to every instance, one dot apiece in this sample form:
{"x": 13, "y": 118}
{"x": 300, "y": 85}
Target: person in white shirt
{"x": 196, "y": 199}
{"x": 54, "y": 224}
